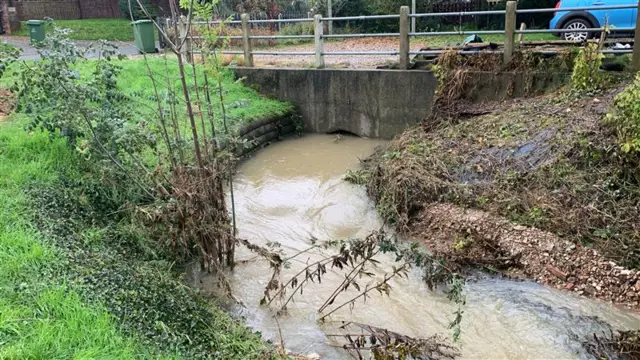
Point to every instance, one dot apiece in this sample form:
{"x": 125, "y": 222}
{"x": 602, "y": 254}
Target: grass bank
{"x": 41, "y": 316}
{"x": 242, "y": 104}
{"x": 83, "y": 279}
{"x": 90, "y": 29}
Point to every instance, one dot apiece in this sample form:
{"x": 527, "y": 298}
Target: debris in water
{"x": 386, "y": 344}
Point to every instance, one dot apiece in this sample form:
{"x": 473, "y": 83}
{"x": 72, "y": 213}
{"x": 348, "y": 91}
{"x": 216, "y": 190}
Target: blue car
{"x": 582, "y": 20}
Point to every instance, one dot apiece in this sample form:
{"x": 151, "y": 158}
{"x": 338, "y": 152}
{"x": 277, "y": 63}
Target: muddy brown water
{"x": 293, "y": 191}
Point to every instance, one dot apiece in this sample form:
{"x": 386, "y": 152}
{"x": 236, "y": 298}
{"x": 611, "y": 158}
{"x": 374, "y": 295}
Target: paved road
{"x": 29, "y": 52}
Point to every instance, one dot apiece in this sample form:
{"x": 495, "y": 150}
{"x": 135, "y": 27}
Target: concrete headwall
{"x": 368, "y": 103}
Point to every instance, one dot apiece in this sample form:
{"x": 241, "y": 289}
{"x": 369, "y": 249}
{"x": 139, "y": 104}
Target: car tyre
{"x": 576, "y": 24}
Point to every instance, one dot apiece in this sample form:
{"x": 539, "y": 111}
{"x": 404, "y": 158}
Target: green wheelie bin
{"x": 36, "y": 30}
{"x": 144, "y": 36}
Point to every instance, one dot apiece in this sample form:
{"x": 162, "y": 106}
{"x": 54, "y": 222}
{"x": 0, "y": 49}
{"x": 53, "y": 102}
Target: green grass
{"x": 39, "y": 316}
{"x": 91, "y": 29}
{"x": 452, "y": 40}
{"x": 243, "y": 104}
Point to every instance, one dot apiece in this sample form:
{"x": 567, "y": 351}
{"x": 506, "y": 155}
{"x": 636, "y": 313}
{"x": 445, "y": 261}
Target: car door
{"x": 618, "y": 18}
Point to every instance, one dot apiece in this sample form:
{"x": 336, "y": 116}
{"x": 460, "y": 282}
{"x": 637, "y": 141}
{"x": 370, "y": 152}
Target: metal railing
{"x": 404, "y": 17}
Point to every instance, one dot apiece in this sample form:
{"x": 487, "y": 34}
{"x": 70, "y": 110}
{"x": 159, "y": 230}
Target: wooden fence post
{"x": 185, "y": 49}
{"x": 509, "y": 30}
{"x": 404, "y": 38}
{"x": 318, "y": 29}
{"x": 330, "y": 14}
{"x": 279, "y": 23}
{"x": 523, "y": 27}
{"x": 246, "y": 41}
{"x": 636, "y": 46}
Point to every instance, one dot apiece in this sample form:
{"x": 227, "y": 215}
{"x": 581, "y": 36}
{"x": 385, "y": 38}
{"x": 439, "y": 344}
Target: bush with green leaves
{"x": 8, "y": 54}
{"x": 587, "y": 76}
{"x": 625, "y": 116}
{"x": 85, "y": 105}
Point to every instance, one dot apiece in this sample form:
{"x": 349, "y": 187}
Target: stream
{"x": 293, "y": 192}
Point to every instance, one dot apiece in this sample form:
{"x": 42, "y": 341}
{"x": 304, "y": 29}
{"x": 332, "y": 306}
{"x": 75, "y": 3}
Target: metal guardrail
{"x": 405, "y": 35}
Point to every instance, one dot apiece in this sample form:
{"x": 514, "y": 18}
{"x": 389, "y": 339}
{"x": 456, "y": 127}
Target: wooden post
{"x": 636, "y": 44}
{"x": 413, "y": 11}
{"x": 509, "y": 30}
{"x": 279, "y": 23}
{"x": 523, "y": 27}
{"x": 330, "y": 14}
{"x": 185, "y": 49}
{"x": 404, "y": 37}
{"x": 317, "y": 32}
{"x": 246, "y": 41}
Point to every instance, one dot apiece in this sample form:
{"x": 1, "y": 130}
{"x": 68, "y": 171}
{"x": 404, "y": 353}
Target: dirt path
{"x": 343, "y": 61}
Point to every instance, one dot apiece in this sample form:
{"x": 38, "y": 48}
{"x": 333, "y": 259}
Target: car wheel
{"x": 576, "y": 24}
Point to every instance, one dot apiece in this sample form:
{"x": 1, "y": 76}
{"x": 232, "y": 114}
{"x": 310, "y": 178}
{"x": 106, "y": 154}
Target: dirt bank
{"x": 488, "y": 241}
{"x": 535, "y": 188}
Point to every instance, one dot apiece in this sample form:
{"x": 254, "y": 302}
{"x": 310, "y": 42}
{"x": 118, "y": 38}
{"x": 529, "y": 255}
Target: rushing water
{"x": 292, "y": 192}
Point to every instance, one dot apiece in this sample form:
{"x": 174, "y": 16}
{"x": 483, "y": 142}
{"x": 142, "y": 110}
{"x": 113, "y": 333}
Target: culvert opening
{"x": 341, "y": 132}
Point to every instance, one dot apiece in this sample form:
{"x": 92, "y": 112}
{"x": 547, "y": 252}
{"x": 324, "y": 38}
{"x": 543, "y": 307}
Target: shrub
{"x": 8, "y": 54}
{"x": 625, "y": 116}
{"x": 297, "y": 29}
{"x": 136, "y": 11}
{"x": 586, "y": 71}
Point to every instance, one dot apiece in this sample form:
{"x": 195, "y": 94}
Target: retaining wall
{"x": 368, "y": 103}
{"x": 261, "y": 133}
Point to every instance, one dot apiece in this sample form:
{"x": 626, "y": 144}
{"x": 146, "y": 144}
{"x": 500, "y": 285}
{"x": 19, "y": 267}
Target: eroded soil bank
{"x": 532, "y": 189}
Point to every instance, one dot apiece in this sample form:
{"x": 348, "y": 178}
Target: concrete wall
{"x": 368, "y": 103}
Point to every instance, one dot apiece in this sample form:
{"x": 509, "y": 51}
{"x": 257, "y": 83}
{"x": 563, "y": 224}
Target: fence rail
{"x": 404, "y": 17}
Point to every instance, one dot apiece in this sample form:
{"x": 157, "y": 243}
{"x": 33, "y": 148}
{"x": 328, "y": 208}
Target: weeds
{"x": 623, "y": 345}
{"x": 625, "y": 117}
{"x": 587, "y": 76}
